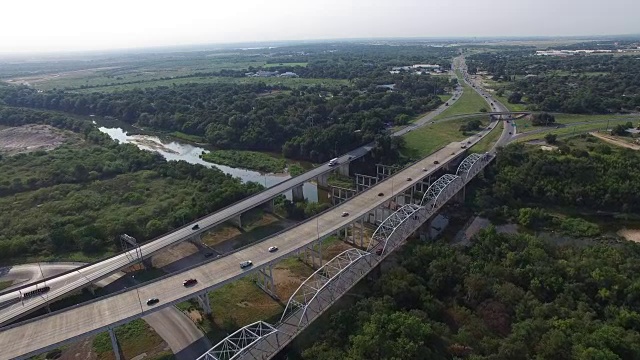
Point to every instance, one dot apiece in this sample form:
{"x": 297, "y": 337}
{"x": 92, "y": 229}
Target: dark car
{"x": 195, "y": 227}
{"x": 509, "y": 132}
{"x": 464, "y": 146}
{"x": 436, "y": 162}
{"x": 189, "y": 282}
{"x": 208, "y": 255}
{"x": 380, "y": 194}
{"x": 345, "y": 214}
{"x": 153, "y": 301}
{"x": 379, "y": 251}
{"x": 409, "y": 179}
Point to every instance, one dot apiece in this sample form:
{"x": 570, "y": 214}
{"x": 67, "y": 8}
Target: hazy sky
{"x": 54, "y": 25}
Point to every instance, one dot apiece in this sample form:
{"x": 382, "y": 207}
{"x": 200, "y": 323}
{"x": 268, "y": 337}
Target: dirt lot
{"x": 617, "y": 142}
{"x": 29, "y": 138}
{"x": 630, "y": 234}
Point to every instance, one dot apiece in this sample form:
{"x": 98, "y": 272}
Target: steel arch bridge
{"x": 237, "y": 343}
{"x": 322, "y": 278}
{"x": 447, "y": 184}
{"x": 471, "y": 166}
{"x": 390, "y": 224}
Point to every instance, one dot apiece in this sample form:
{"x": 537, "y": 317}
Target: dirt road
{"x": 614, "y": 141}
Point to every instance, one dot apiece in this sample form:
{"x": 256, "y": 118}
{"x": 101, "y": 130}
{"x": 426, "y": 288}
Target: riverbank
{"x": 251, "y": 160}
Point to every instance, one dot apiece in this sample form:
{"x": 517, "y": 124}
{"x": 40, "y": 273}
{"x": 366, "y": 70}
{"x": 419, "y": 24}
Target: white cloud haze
{"x": 46, "y": 25}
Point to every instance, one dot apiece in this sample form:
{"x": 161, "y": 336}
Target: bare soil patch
{"x": 195, "y": 316}
{"x": 286, "y": 282}
{"x": 630, "y": 234}
{"x": 29, "y": 138}
{"x": 173, "y": 254}
{"x": 219, "y": 235}
{"x": 615, "y": 141}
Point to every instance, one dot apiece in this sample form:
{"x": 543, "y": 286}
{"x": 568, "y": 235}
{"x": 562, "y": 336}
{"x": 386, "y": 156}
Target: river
{"x": 175, "y": 149}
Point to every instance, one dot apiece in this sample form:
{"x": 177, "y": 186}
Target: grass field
{"x": 469, "y": 102}
{"x": 303, "y": 64}
{"x": 597, "y": 124}
{"x": 292, "y": 82}
{"x": 246, "y": 159}
{"x": 5, "y": 284}
{"x": 187, "y": 137}
{"x": 423, "y": 141}
{"x": 134, "y": 339}
{"x": 524, "y": 124}
{"x": 487, "y": 142}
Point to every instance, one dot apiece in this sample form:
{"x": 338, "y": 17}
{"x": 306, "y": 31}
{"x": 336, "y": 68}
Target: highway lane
{"x": 80, "y": 278}
{"x": 180, "y": 333}
{"x": 32, "y": 337}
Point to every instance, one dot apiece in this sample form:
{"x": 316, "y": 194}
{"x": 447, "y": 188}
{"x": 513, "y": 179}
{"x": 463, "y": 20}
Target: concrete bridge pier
{"x": 344, "y": 169}
{"x": 312, "y": 252}
{"x": 269, "y": 206}
{"x": 357, "y": 233}
{"x": 323, "y": 180}
{"x": 114, "y": 344}
{"x": 236, "y": 220}
{"x": 297, "y": 193}
{"x": 205, "y": 303}
{"x": 264, "y": 280}
{"x": 364, "y": 182}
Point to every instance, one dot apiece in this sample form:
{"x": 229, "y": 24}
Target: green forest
{"x": 78, "y": 198}
{"x": 581, "y": 84}
{"x": 307, "y": 123}
{"x": 506, "y": 297}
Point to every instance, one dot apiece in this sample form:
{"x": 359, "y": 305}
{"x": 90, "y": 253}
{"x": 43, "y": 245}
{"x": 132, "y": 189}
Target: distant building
{"x": 387, "y": 86}
{"x": 288, "y": 74}
{"x": 426, "y": 66}
{"x": 263, "y": 73}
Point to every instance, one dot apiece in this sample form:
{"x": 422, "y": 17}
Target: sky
{"x": 79, "y": 25}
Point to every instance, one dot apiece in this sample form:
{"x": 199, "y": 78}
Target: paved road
{"x": 183, "y": 337}
{"x": 32, "y": 337}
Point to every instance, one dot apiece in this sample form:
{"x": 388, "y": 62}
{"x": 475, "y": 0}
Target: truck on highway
{"x": 333, "y": 162}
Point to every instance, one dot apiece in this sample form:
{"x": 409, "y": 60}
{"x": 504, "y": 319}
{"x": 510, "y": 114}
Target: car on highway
{"x": 153, "y": 301}
{"x": 379, "y": 251}
{"x": 344, "y": 214}
{"x": 436, "y": 162}
{"x": 208, "y": 254}
{"x": 424, "y": 169}
{"x": 409, "y": 179}
{"x": 195, "y": 227}
{"x": 189, "y": 282}
{"x": 246, "y": 264}
{"x": 464, "y": 146}
{"x": 273, "y": 248}
{"x": 509, "y": 132}
{"x": 380, "y": 194}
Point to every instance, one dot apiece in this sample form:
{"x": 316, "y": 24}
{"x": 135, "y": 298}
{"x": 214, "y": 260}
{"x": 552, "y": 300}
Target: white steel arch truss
{"x": 322, "y": 278}
{"x": 447, "y": 183}
{"x": 390, "y": 224}
{"x": 471, "y": 165}
{"x": 237, "y": 343}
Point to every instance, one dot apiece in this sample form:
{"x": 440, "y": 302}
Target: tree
{"x": 514, "y": 98}
{"x": 551, "y": 138}
{"x": 542, "y": 119}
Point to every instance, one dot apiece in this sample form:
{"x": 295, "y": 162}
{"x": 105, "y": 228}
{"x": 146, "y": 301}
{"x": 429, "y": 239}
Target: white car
{"x": 245, "y": 264}
{"x": 273, "y": 248}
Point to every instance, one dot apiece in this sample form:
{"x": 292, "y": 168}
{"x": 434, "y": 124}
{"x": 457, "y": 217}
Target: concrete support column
{"x": 114, "y": 344}
{"x": 265, "y": 281}
{"x": 297, "y": 193}
{"x": 205, "y": 304}
{"x": 323, "y": 180}
{"x": 344, "y": 169}
{"x": 312, "y": 252}
{"x": 269, "y": 206}
{"x": 236, "y": 220}
{"x": 361, "y": 232}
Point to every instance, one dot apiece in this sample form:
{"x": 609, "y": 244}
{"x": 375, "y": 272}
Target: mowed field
{"x": 425, "y": 140}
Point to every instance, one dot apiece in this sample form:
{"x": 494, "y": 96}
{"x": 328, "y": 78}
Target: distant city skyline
{"x": 73, "y": 25}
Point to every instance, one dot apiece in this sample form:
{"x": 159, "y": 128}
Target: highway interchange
{"x": 120, "y": 308}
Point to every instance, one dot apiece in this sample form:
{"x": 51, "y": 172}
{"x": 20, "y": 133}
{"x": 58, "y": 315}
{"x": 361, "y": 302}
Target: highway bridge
{"x": 49, "y": 331}
{"x": 317, "y": 293}
{"x": 107, "y": 313}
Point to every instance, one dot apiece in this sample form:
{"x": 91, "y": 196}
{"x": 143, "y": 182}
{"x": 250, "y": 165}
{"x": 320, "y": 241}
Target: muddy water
{"x": 175, "y": 149}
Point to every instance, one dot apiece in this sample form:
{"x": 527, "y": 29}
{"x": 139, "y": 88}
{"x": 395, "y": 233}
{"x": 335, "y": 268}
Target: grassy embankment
{"x": 571, "y": 124}
{"x": 192, "y": 138}
{"x": 246, "y": 159}
{"x": 134, "y": 338}
{"x": 487, "y": 142}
